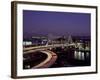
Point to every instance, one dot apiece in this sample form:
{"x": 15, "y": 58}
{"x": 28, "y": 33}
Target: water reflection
{"x": 81, "y": 55}
{"x": 69, "y": 57}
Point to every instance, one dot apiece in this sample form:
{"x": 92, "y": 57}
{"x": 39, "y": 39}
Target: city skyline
{"x": 57, "y": 23}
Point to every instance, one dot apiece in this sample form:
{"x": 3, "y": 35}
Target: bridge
{"x": 47, "y": 46}
{"x": 51, "y": 56}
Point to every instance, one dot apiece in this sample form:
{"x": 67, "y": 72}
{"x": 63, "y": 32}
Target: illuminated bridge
{"x": 47, "y": 46}
{"x": 43, "y": 57}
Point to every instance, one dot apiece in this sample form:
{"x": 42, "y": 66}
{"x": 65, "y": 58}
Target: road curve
{"x": 51, "y": 58}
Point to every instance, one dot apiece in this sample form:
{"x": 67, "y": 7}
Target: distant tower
{"x": 70, "y": 39}
{"x": 50, "y": 38}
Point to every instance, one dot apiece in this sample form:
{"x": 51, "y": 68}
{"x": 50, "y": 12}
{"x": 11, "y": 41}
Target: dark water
{"x": 71, "y": 57}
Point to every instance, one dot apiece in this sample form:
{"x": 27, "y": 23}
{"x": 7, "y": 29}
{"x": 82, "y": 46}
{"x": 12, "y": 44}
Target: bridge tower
{"x": 70, "y": 39}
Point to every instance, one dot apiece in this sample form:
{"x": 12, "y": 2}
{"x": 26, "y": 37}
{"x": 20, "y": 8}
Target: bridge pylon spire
{"x": 70, "y": 39}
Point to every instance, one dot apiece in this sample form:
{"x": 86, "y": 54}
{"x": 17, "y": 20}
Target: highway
{"x": 51, "y": 58}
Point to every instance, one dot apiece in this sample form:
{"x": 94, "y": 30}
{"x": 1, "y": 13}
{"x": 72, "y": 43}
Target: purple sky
{"x": 57, "y": 23}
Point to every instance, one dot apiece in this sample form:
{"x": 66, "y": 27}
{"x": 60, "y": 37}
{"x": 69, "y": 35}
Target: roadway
{"x": 51, "y": 58}
{"x": 47, "y": 46}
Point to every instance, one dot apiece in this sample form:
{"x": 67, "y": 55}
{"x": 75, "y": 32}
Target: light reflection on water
{"x": 80, "y": 55}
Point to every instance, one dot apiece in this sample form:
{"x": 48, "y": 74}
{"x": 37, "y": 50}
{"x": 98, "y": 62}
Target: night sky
{"x": 56, "y": 23}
